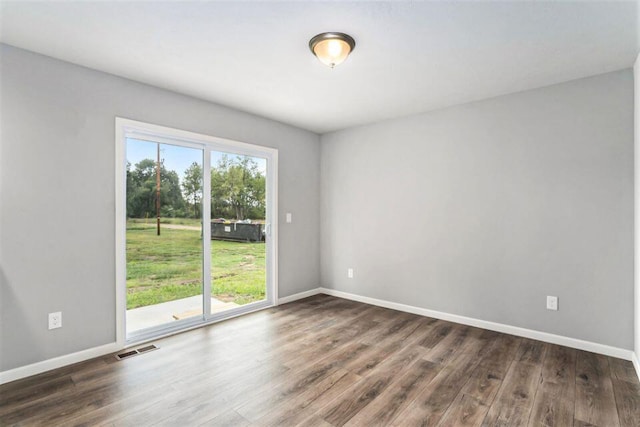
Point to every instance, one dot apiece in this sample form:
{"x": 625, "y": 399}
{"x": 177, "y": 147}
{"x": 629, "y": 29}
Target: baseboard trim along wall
{"x": 57, "y": 362}
{"x": 300, "y": 295}
{"x": 636, "y": 364}
{"x": 492, "y": 326}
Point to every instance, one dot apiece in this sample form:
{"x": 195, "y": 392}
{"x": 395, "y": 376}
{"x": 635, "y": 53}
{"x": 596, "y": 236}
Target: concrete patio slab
{"x": 167, "y": 312}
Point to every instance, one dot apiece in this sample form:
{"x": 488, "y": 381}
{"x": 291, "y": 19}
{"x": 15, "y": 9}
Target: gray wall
{"x": 483, "y": 209}
{"x": 57, "y": 196}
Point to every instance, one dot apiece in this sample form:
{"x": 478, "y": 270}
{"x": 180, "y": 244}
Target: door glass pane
{"x": 164, "y": 235}
{"x": 238, "y": 213}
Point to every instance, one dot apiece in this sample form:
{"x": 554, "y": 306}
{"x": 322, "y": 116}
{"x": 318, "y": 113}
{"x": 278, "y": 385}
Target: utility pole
{"x": 158, "y": 189}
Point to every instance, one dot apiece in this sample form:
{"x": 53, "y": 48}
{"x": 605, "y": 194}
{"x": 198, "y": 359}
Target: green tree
{"x": 237, "y": 189}
{"x": 141, "y": 191}
{"x": 192, "y": 187}
{"x": 219, "y": 201}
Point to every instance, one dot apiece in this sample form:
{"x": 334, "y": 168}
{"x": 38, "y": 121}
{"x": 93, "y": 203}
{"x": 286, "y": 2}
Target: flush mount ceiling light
{"x": 332, "y": 48}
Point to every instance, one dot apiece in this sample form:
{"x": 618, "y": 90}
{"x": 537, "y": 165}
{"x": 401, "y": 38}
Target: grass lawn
{"x": 169, "y": 267}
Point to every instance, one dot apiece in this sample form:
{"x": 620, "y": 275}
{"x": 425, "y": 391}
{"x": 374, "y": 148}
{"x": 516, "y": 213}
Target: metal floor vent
{"x": 135, "y": 352}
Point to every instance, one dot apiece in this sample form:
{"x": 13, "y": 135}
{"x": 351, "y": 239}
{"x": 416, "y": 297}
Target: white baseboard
{"x": 299, "y": 295}
{"x": 492, "y": 326}
{"x": 57, "y": 362}
{"x": 636, "y": 363}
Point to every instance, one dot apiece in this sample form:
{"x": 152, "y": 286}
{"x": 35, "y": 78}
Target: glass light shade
{"x": 332, "y": 48}
{"x": 332, "y": 52}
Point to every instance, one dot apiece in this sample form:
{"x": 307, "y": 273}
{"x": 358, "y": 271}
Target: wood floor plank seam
{"x": 533, "y": 401}
{"x": 615, "y": 400}
{"x": 575, "y": 383}
{"x": 461, "y": 395}
{"x": 502, "y": 385}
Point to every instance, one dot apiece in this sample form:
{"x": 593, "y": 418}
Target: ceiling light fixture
{"x": 332, "y": 48}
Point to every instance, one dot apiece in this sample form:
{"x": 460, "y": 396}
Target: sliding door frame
{"x": 126, "y": 128}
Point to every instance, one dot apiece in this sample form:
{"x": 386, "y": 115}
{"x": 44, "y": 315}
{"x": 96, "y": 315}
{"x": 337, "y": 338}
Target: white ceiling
{"x": 410, "y": 57}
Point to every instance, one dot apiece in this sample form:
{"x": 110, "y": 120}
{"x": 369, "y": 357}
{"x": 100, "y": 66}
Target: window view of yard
{"x": 167, "y": 267}
{"x": 165, "y": 261}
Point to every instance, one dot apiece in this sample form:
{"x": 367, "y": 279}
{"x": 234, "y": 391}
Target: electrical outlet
{"x": 55, "y": 320}
{"x": 552, "y": 303}
{"x": 350, "y": 273}
{"x": 288, "y": 217}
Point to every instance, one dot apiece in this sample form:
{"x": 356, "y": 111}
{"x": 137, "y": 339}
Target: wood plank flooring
{"x": 325, "y": 361}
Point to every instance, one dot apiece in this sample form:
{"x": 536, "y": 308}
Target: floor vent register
{"x": 131, "y": 353}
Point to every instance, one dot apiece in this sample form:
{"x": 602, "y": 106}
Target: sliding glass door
{"x": 238, "y": 230}
{"x": 164, "y": 234}
{"x": 198, "y": 244}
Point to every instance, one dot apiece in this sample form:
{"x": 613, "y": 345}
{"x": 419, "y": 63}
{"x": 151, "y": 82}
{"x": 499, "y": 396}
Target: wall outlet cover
{"x": 552, "y": 303}
{"x": 55, "y": 320}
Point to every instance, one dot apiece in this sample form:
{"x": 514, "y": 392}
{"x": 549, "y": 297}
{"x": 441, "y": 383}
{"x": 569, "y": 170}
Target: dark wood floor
{"x": 325, "y": 361}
